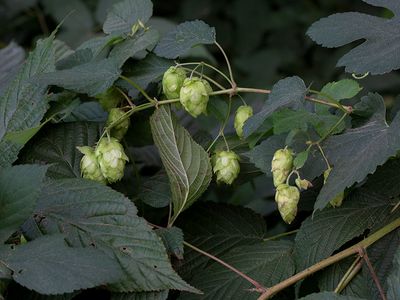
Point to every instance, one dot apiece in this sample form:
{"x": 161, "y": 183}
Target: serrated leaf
{"x": 329, "y": 229}
{"x": 267, "y": 262}
{"x": 11, "y": 58}
{"x": 385, "y": 179}
{"x": 288, "y": 92}
{"x": 56, "y": 147}
{"x": 23, "y": 103}
{"x": 329, "y": 296}
{"x": 87, "y": 112}
{"x": 132, "y": 45}
{"x": 163, "y": 295}
{"x": 19, "y": 189}
{"x": 172, "y": 238}
{"x": 125, "y": 14}
{"x": 91, "y": 78}
{"x": 187, "y": 164}
{"x": 286, "y": 120}
{"x": 155, "y": 191}
{"x": 379, "y": 33}
{"x": 205, "y": 227}
{"x": 48, "y": 266}
{"x": 185, "y": 36}
{"x": 91, "y": 214}
{"x": 300, "y": 159}
{"x": 358, "y": 152}
{"x": 342, "y": 89}
{"x": 393, "y": 280}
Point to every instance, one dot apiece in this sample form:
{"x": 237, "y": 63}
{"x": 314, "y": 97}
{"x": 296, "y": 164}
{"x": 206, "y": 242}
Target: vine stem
{"x": 280, "y": 235}
{"x": 136, "y": 86}
{"x": 348, "y": 276}
{"x": 258, "y": 287}
{"x": 227, "y": 63}
{"x": 355, "y": 249}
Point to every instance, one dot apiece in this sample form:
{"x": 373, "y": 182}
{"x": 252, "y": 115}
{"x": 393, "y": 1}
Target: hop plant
{"x": 242, "y": 114}
{"x": 281, "y": 165}
{"x": 90, "y": 168}
{"x": 109, "y": 99}
{"x": 303, "y": 184}
{"x": 112, "y": 158}
{"x": 122, "y": 123}
{"x": 194, "y": 95}
{"x": 172, "y": 82}
{"x": 287, "y": 197}
{"x": 226, "y": 166}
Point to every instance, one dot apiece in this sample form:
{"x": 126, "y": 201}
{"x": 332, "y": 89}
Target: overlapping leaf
{"x": 329, "y": 296}
{"x": 186, "y": 163}
{"x": 173, "y": 240}
{"x": 393, "y": 280}
{"x": 163, "y": 295}
{"x": 379, "y": 53}
{"x": 11, "y": 58}
{"x": 155, "y": 191}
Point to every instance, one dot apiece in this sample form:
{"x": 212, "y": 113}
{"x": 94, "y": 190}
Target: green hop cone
{"x": 242, "y": 114}
{"x": 90, "y": 168}
{"x": 226, "y": 166}
{"x": 112, "y": 158}
{"x": 110, "y": 98}
{"x": 172, "y": 82}
{"x": 121, "y": 123}
{"x": 338, "y": 199}
{"x": 287, "y": 197}
{"x": 281, "y": 165}
{"x": 194, "y": 95}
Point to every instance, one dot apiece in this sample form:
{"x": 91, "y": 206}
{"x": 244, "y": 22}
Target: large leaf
{"x": 172, "y": 238}
{"x": 132, "y": 45}
{"x": 91, "y": 214}
{"x": 155, "y": 190}
{"x": 329, "y": 296}
{"x": 288, "y": 92}
{"x": 91, "y": 78}
{"x": 125, "y": 14}
{"x": 329, "y": 229}
{"x": 163, "y": 295}
{"x": 187, "y": 163}
{"x": 393, "y": 280}
{"x": 369, "y": 145}
{"x": 19, "y": 189}
{"x": 56, "y": 147}
{"x": 23, "y": 103}
{"x": 266, "y": 262}
{"x": 208, "y": 229}
{"x": 379, "y": 33}
{"x": 185, "y": 36}
{"x": 11, "y": 58}
{"x": 48, "y": 266}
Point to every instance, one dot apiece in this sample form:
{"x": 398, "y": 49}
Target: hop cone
{"x": 110, "y": 98}
{"x": 172, "y": 82}
{"x": 287, "y": 197}
{"x": 122, "y": 123}
{"x": 90, "y": 168}
{"x": 281, "y": 165}
{"x": 226, "y": 166}
{"x": 112, "y": 158}
{"x": 194, "y": 95}
{"x": 242, "y": 114}
{"x": 303, "y": 184}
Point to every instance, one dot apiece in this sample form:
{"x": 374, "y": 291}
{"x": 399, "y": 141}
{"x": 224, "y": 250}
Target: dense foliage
{"x": 134, "y": 166}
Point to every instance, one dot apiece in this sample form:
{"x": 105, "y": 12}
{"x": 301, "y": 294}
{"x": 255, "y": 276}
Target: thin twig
{"x": 280, "y": 235}
{"x": 228, "y": 64}
{"x": 349, "y": 275}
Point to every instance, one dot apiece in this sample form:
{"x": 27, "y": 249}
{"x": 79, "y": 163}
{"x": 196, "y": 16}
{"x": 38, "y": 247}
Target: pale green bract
{"x": 90, "y": 168}
{"x": 242, "y": 114}
{"x": 281, "y": 165}
{"x": 172, "y": 82}
{"x": 112, "y": 158}
{"x": 120, "y": 122}
{"x": 194, "y": 95}
{"x": 287, "y": 197}
{"x": 226, "y": 166}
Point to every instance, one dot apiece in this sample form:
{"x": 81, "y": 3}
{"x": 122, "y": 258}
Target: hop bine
{"x": 226, "y": 166}
{"x": 172, "y": 82}
{"x": 194, "y": 95}
{"x": 242, "y": 114}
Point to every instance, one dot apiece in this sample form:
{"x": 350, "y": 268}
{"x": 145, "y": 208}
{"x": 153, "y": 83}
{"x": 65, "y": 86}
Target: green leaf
{"x": 329, "y": 229}
{"x": 329, "y": 296}
{"x": 187, "y": 163}
{"x": 11, "y": 58}
{"x": 155, "y": 191}
{"x": 300, "y": 159}
{"x": 173, "y": 240}
{"x": 386, "y": 179}
{"x": 56, "y": 146}
{"x": 342, "y": 89}
{"x": 267, "y": 262}
{"x": 91, "y": 214}
{"x": 19, "y": 189}
{"x": 288, "y": 92}
{"x": 132, "y": 45}
{"x": 44, "y": 265}
{"x": 185, "y": 36}
{"x": 23, "y": 103}
{"x": 125, "y": 14}
{"x": 286, "y": 120}
{"x": 23, "y": 136}
{"x": 86, "y": 112}
{"x": 163, "y": 295}
{"x": 393, "y": 280}
{"x": 208, "y": 229}
{"x": 358, "y": 152}
{"x": 379, "y": 33}
{"x": 91, "y": 78}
